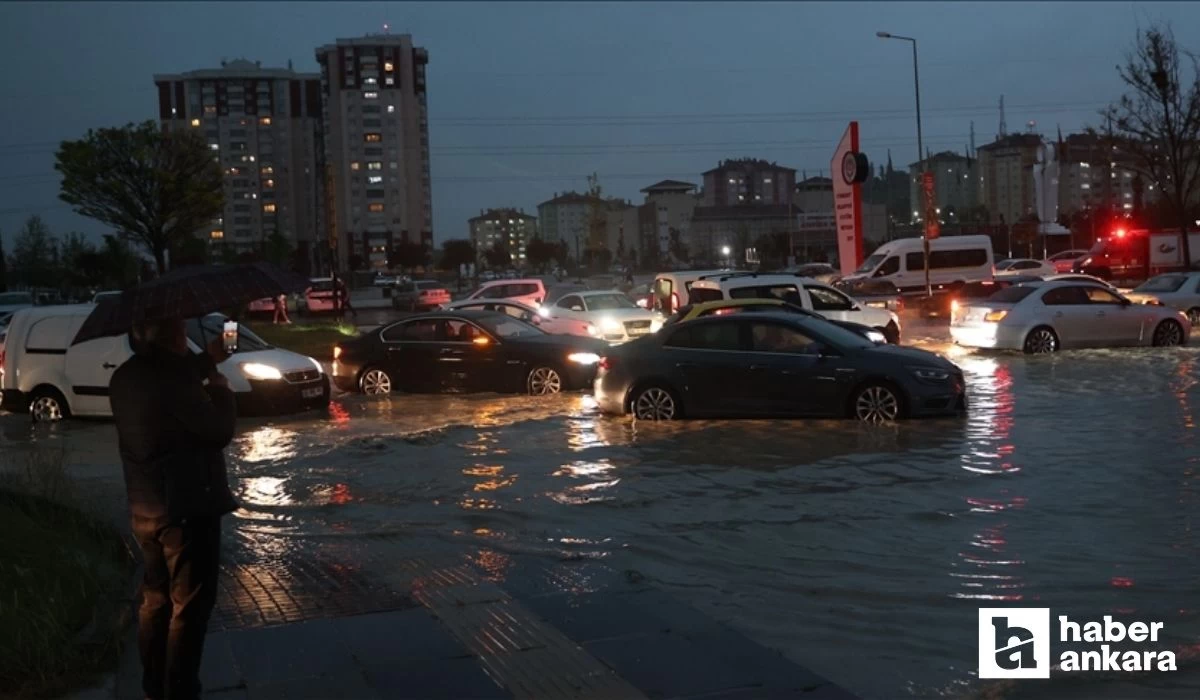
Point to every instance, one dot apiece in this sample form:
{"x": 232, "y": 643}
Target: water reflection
{"x": 268, "y": 444}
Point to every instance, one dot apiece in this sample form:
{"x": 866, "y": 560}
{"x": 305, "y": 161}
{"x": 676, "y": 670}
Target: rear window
{"x": 699, "y": 295}
{"x": 515, "y": 290}
{"x": 981, "y": 290}
{"x": 1012, "y": 295}
{"x": 777, "y": 291}
{"x": 14, "y": 298}
{"x": 323, "y": 286}
{"x": 709, "y": 336}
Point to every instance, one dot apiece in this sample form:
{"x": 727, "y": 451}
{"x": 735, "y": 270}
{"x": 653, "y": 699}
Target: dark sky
{"x": 527, "y": 98}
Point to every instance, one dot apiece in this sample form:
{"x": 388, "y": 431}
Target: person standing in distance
{"x": 172, "y": 431}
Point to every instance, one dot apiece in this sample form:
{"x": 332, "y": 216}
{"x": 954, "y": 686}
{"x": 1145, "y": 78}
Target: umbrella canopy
{"x": 188, "y": 292}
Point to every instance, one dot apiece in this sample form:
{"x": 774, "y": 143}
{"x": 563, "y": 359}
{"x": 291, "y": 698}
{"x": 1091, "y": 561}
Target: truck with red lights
{"x": 1138, "y": 254}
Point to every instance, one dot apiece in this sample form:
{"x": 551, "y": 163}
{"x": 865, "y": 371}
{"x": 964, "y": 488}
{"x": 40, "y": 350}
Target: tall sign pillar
{"x": 850, "y": 169}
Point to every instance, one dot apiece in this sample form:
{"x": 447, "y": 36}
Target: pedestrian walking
{"x": 346, "y": 300}
{"x": 281, "y": 314}
{"x": 171, "y": 432}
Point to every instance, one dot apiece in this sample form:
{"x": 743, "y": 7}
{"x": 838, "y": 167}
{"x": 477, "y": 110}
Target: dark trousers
{"x": 178, "y": 593}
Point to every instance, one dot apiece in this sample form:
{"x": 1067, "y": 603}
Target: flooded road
{"x": 861, "y": 552}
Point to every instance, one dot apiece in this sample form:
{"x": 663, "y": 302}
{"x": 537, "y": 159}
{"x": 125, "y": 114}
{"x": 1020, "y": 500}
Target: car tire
{"x": 1041, "y": 341}
{"x": 877, "y": 402}
{"x": 375, "y": 382}
{"x": 544, "y": 380}
{"x": 655, "y": 402}
{"x": 1193, "y": 315}
{"x": 1169, "y": 333}
{"x": 48, "y": 405}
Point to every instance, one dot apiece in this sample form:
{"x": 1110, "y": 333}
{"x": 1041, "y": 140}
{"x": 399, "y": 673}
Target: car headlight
{"x": 656, "y": 325}
{"x": 592, "y": 330}
{"x": 610, "y": 325}
{"x": 1086, "y": 261}
{"x": 257, "y": 370}
{"x": 543, "y": 312}
{"x": 317, "y": 365}
{"x": 876, "y": 337}
{"x": 584, "y": 358}
{"x": 930, "y": 374}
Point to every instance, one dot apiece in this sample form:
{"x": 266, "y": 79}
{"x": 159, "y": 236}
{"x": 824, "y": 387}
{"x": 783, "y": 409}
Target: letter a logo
{"x": 1014, "y": 642}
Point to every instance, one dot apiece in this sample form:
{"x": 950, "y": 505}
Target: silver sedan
{"x": 1053, "y": 316}
{"x": 1179, "y": 290}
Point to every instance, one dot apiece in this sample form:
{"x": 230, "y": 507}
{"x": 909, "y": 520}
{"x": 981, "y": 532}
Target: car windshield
{"x": 322, "y": 285}
{"x": 839, "y": 336}
{"x": 14, "y": 298}
{"x": 607, "y": 302}
{"x": 202, "y": 333}
{"x": 1005, "y": 264}
{"x": 1162, "y": 283}
{"x": 870, "y": 264}
{"x": 508, "y": 327}
{"x": 1011, "y": 295}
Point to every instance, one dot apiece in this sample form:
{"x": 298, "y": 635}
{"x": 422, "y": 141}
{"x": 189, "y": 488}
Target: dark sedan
{"x": 467, "y": 351}
{"x": 774, "y": 364}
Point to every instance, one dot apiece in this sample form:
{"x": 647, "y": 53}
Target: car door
{"x": 1117, "y": 321}
{"x": 788, "y": 374}
{"x": 467, "y": 357}
{"x": 832, "y": 304}
{"x": 1070, "y": 313}
{"x": 89, "y": 368}
{"x": 411, "y": 349}
{"x": 570, "y": 314}
{"x": 709, "y": 361}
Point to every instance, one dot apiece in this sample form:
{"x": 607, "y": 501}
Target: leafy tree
{"x": 406, "y": 255}
{"x": 540, "y": 253}
{"x": 498, "y": 255}
{"x": 1158, "y": 120}
{"x": 3, "y": 267}
{"x": 190, "y": 251}
{"x": 456, "y": 253}
{"x": 78, "y": 269}
{"x": 35, "y": 254}
{"x": 562, "y": 254}
{"x": 156, "y": 188}
{"x": 120, "y": 265}
{"x": 277, "y": 249}
{"x": 597, "y": 216}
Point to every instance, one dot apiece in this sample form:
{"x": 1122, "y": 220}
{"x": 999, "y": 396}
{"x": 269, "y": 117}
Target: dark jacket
{"x": 171, "y": 433}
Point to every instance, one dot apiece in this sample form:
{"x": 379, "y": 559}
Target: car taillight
{"x": 604, "y": 364}
{"x": 337, "y": 352}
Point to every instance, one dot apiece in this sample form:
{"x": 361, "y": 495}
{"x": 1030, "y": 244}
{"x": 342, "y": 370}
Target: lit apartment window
{"x": 374, "y": 179}
{"x": 264, "y": 121}
{"x": 218, "y": 235}
{"x": 391, "y": 108}
{"x": 210, "y": 109}
{"x": 354, "y": 165}
{"x": 195, "y": 122}
{"x": 269, "y": 208}
{"x": 1085, "y": 186}
{"x": 372, "y": 138}
{"x": 235, "y": 171}
{"x": 268, "y": 183}
{"x": 214, "y": 146}
{"x": 1085, "y": 165}
{"x": 766, "y": 180}
{"x": 388, "y": 66}
{"x": 266, "y": 170}
{"x": 389, "y": 81}
{"x": 370, "y": 95}
{"x": 374, "y": 165}
{"x": 375, "y": 207}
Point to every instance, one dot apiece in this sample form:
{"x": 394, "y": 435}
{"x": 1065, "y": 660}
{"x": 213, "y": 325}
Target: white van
{"x": 40, "y": 371}
{"x": 671, "y": 290}
{"x": 953, "y": 260}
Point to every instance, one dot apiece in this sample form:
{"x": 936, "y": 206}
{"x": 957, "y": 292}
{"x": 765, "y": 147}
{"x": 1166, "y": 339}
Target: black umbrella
{"x": 188, "y": 292}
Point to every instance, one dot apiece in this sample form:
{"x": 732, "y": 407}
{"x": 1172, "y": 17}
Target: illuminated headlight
{"x": 584, "y": 358}
{"x": 543, "y": 312}
{"x": 610, "y": 325}
{"x": 592, "y": 330}
{"x": 256, "y": 370}
{"x": 1086, "y": 261}
{"x": 876, "y": 337}
{"x": 930, "y": 374}
{"x": 656, "y": 325}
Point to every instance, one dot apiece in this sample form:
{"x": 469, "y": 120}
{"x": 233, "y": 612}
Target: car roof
{"x": 755, "y": 279}
{"x": 494, "y": 283}
{"x": 458, "y": 305}
{"x": 726, "y": 303}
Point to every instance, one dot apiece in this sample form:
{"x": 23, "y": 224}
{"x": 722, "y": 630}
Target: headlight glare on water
{"x": 257, "y": 370}
{"x": 584, "y": 358}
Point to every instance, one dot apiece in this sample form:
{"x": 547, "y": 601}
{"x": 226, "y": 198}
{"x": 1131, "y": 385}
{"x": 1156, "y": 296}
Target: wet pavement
{"x": 859, "y": 552}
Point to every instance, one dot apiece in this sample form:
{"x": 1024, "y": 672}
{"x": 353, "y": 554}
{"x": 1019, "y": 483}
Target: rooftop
{"x": 572, "y": 198}
{"x": 748, "y": 163}
{"x": 1014, "y": 141}
{"x": 669, "y": 186}
{"x": 236, "y": 69}
{"x": 943, "y": 157}
{"x": 502, "y": 213}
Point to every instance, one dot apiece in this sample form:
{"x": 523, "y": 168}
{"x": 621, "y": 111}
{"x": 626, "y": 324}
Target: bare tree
{"x": 1159, "y": 120}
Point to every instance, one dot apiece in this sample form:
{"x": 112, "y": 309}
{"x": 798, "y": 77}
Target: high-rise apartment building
{"x": 1006, "y": 171}
{"x": 263, "y": 126}
{"x": 511, "y": 228}
{"x": 376, "y": 135}
{"x": 956, "y": 184}
{"x": 742, "y": 200}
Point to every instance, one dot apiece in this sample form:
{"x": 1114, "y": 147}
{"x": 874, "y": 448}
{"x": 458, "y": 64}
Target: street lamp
{"x": 920, "y": 145}
{"x": 725, "y": 254}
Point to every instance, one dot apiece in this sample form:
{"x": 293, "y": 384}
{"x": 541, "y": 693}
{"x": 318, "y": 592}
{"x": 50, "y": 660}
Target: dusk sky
{"x": 526, "y": 99}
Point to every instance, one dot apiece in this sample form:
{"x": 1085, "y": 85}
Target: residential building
{"x": 263, "y": 126}
{"x": 742, "y": 200}
{"x": 1006, "y": 177}
{"x": 955, "y": 184}
{"x": 567, "y": 218}
{"x": 816, "y": 233}
{"x": 667, "y": 209}
{"x": 376, "y": 127}
{"x": 1095, "y": 172}
{"x": 511, "y": 228}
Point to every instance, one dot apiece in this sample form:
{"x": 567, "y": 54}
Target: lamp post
{"x": 920, "y": 144}
{"x": 725, "y": 254}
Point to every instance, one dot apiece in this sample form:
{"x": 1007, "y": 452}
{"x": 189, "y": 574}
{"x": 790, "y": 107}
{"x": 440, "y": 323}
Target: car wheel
{"x": 47, "y": 405}
{"x": 1168, "y": 333}
{"x": 543, "y": 381}
{"x": 877, "y": 403}
{"x": 1040, "y": 341}
{"x": 655, "y": 403}
{"x": 375, "y": 382}
{"x": 1193, "y": 315}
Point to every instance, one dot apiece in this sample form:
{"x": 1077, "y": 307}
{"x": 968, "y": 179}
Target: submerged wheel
{"x": 876, "y": 403}
{"x": 655, "y": 403}
{"x": 47, "y": 405}
{"x": 543, "y": 381}
{"x": 375, "y": 381}
{"x": 1168, "y": 333}
{"x": 1193, "y": 315}
{"x": 1040, "y": 341}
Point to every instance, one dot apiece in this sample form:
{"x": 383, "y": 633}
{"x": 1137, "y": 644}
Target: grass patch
{"x": 63, "y": 576}
{"x": 313, "y": 339}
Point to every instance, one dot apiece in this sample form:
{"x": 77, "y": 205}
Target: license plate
{"x": 639, "y": 331}
{"x": 313, "y": 393}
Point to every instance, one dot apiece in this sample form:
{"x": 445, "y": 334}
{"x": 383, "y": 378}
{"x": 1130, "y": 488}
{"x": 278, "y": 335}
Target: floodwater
{"x": 862, "y": 552}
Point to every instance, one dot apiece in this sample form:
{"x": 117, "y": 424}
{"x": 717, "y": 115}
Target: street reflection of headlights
{"x": 876, "y": 337}
{"x": 930, "y": 374}
{"x": 584, "y": 358}
{"x": 610, "y": 325}
{"x": 256, "y": 370}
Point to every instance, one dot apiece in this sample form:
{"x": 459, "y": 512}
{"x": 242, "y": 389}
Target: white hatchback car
{"x": 1050, "y": 316}
{"x": 1179, "y": 290}
{"x": 530, "y": 292}
{"x": 609, "y": 315}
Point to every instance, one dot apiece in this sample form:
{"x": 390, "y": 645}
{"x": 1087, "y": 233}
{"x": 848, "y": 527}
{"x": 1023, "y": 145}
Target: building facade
{"x": 1095, "y": 173}
{"x": 263, "y": 126}
{"x": 567, "y": 218}
{"x": 1006, "y": 177}
{"x": 511, "y": 228}
{"x": 667, "y": 210}
{"x": 816, "y": 232}
{"x": 742, "y": 200}
{"x": 376, "y": 154}
{"x": 956, "y": 183}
